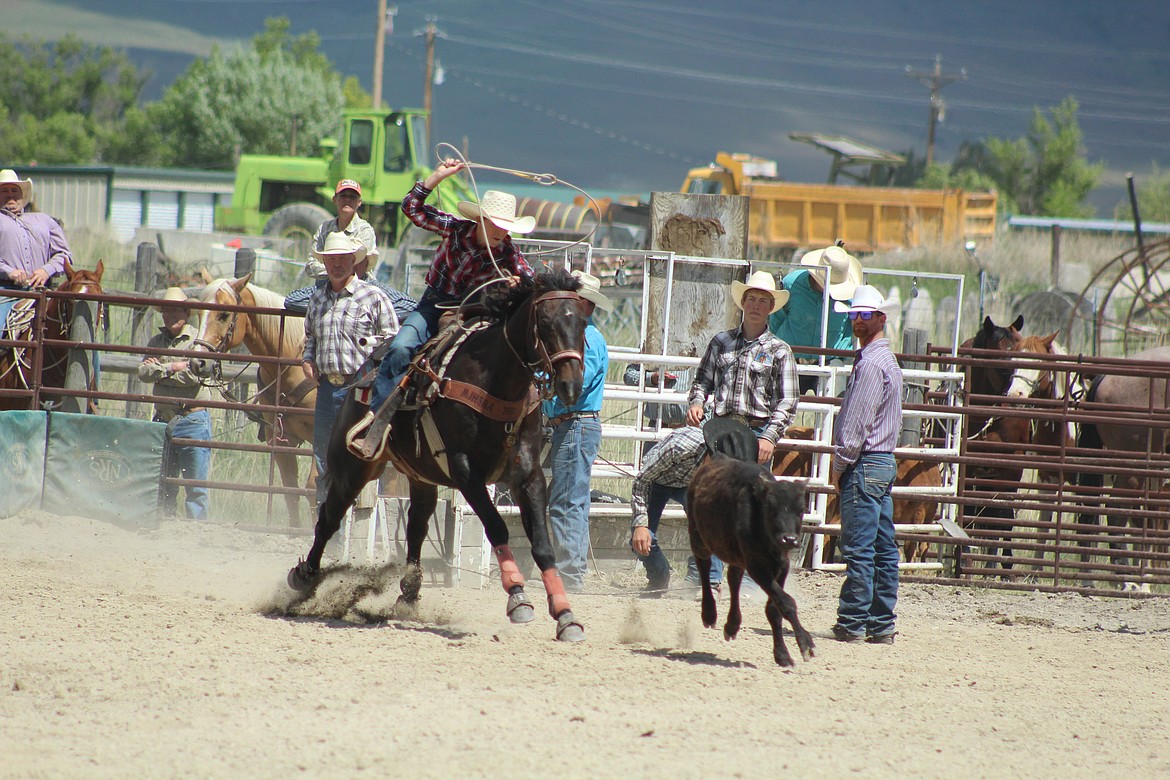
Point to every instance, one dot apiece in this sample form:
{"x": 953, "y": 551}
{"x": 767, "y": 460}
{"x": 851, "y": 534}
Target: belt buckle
{"x": 334, "y": 378}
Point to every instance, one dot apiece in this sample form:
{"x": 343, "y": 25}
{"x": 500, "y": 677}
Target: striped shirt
{"x": 335, "y": 321}
{"x": 670, "y": 463}
{"x": 754, "y": 379}
{"x": 871, "y": 411}
{"x": 460, "y": 264}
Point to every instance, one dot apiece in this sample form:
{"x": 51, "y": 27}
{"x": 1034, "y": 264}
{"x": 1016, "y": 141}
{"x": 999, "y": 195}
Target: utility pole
{"x": 935, "y": 81}
{"x": 428, "y": 85}
{"x": 385, "y": 25}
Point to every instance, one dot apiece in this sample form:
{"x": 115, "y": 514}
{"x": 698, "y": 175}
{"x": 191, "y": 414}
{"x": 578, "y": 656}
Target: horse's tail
{"x": 1089, "y": 437}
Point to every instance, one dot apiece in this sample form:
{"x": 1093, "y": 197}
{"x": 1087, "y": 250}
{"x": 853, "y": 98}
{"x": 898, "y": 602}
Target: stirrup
{"x": 368, "y": 437}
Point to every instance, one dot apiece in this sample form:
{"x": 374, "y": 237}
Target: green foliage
{"x": 62, "y": 102}
{"x": 1153, "y": 196}
{"x": 1045, "y": 172}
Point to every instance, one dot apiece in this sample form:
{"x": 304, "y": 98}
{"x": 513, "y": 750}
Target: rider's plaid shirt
{"x": 460, "y": 265}
{"x": 335, "y": 321}
{"x": 755, "y": 380}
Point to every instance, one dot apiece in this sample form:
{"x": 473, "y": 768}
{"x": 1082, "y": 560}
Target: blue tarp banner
{"x": 105, "y": 468}
{"x": 22, "y": 460}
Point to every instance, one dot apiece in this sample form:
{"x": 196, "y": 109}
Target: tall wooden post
{"x": 379, "y": 52}
{"x": 146, "y": 279}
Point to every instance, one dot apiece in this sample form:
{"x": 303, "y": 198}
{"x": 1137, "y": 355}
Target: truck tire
{"x": 296, "y": 220}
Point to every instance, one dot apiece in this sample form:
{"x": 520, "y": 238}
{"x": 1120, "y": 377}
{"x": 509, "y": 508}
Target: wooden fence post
{"x": 146, "y": 280}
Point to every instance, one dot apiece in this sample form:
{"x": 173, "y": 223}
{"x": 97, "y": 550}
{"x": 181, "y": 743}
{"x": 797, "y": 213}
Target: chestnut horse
{"x": 265, "y": 335}
{"x": 475, "y": 421}
{"x": 17, "y": 366}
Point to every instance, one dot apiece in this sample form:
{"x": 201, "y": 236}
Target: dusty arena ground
{"x": 171, "y": 653}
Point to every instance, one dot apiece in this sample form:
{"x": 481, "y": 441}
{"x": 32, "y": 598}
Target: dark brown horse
{"x": 474, "y": 423}
{"x": 18, "y": 364}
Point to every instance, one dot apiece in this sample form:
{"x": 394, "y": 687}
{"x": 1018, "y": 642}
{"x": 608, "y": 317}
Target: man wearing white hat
{"x": 576, "y": 438}
{"x": 340, "y": 315}
{"x": 181, "y": 396}
{"x": 32, "y": 246}
{"x": 473, "y": 252}
{"x": 799, "y": 321}
{"x": 864, "y": 436}
{"x": 749, "y": 373}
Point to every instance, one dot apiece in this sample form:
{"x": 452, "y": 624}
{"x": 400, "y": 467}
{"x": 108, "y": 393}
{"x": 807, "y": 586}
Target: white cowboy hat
{"x": 844, "y": 273}
{"x": 760, "y": 280}
{"x": 500, "y": 208}
{"x": 591, "y": 290}
{"x": 173, "y": 295}
{"x": 8, "y": 176}
{"x": 337, "y": 243}
{"x": 867, "y": 298}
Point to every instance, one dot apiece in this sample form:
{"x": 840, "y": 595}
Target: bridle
{"x": 545, "y": 363}
{"x": 216, "y": 373}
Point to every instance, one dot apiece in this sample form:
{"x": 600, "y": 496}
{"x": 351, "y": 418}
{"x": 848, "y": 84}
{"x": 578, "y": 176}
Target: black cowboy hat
{"x": 732, "y": 438}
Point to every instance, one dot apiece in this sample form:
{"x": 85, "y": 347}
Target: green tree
{"x": 61, "y": 103}
{"x": 249, "y": 102}
{"x": 1045, "y": 172}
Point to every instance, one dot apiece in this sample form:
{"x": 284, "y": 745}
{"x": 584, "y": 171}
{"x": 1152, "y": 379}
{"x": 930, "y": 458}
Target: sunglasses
{"x": 863, "y": 315}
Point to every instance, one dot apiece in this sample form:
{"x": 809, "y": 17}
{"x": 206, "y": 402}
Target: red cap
{"x": 348, "y": 184}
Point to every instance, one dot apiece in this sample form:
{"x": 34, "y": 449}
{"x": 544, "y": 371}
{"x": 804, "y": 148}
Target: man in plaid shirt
{"x": 338, "y": 315}
{"x": 474, "y": 250}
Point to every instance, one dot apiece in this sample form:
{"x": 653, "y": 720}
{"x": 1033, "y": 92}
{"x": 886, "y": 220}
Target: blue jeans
{"x": 187, "y": 462}
{"x": 329, "y": 400}
{"x": 870, "y": 590}
{"x": 574, "y": 447}
{"x": 657, "y": 567}
{"x": 416, "y": 331}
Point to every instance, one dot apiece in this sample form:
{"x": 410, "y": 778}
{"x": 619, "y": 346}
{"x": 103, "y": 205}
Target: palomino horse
{"x": 264, "y": 335}
{"x": 17, "y": 369}
{"x": 1139, "y": 396}
{"x": 475, "y": 423}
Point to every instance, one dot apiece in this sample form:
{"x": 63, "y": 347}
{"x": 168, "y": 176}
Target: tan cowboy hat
{"x": 338, "y": 243}
{"x": 868, "y": 298}
{"x": 591, "y": 290}
{"x": 500, "y": 208}
{"x": 760, "y": 280}
{"x": 844, "y": 270}
{"x": 173, "y": 295}
{"x": 8, "y": 176}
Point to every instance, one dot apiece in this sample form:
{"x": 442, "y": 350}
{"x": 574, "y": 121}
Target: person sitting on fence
{"x": 181, "y": 407}
{"x": 32, "y": 246}
{"x": 798, "y": 322}
{"x": 347, "y": 198}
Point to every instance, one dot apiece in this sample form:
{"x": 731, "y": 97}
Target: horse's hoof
{"x": 302, "y": 576}
{"x": 406, "y": 607}
{"x": 520, "y": 609}
{"x": 568, "y": 629}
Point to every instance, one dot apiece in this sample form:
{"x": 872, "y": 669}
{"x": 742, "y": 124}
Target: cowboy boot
{"x": 368, "y": 436}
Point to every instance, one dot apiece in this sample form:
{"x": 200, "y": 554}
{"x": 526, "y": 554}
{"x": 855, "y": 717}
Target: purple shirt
{"x": 31, "y": 241}
{"x": 871, "y": 411}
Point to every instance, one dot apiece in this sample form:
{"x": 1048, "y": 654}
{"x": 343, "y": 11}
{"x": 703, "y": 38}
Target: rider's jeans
{"x": 418, "y": 328}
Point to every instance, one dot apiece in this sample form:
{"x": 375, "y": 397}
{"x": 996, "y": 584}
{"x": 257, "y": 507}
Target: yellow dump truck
{"x": 789, "y": 215}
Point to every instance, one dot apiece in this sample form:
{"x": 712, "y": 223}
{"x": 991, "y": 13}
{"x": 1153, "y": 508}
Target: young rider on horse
{"x": 473, "y": 251}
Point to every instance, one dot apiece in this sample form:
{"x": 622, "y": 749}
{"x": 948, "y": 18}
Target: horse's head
{"x": 77, "y": 280}
{"x": 994, "y": 380}
{"x": 558, "y": 317}
{"x": 1028, "y": 381}
{"x": 220, "y": 331}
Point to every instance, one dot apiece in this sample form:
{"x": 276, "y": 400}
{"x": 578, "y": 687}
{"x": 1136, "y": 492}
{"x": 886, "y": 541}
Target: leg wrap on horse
{"x": 558, "y": 602}
{"x": 510, "y": 574}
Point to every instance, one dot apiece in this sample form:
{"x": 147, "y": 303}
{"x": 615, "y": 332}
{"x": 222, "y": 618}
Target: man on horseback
{"x": 32, "y": 246}
{"x": 473, "y": 251}
{"x": 340, "y": 316}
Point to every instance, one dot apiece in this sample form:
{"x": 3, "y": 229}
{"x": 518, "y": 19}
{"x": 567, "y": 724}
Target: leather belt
{"x": 560, "y": 418}
{"x": 336, "y": 379}
{"x": 748, "y": 421}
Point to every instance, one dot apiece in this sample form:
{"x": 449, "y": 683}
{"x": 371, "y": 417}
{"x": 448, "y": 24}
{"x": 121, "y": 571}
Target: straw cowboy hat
{"x": 8, "y": 176}
{"x": 173, "y": 295}
{"x": 867, "y": 298}
{"x": 844, "y": 270}
{"x": 338, "y": 243}
{"x": 500, "y": 208}
{"x": 764, "y": 281}
{"x": 591, "y": 290}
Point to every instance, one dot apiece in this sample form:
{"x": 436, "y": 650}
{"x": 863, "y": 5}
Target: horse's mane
{"x": 268, "y": 324}
{"x": 501, "y": 300}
